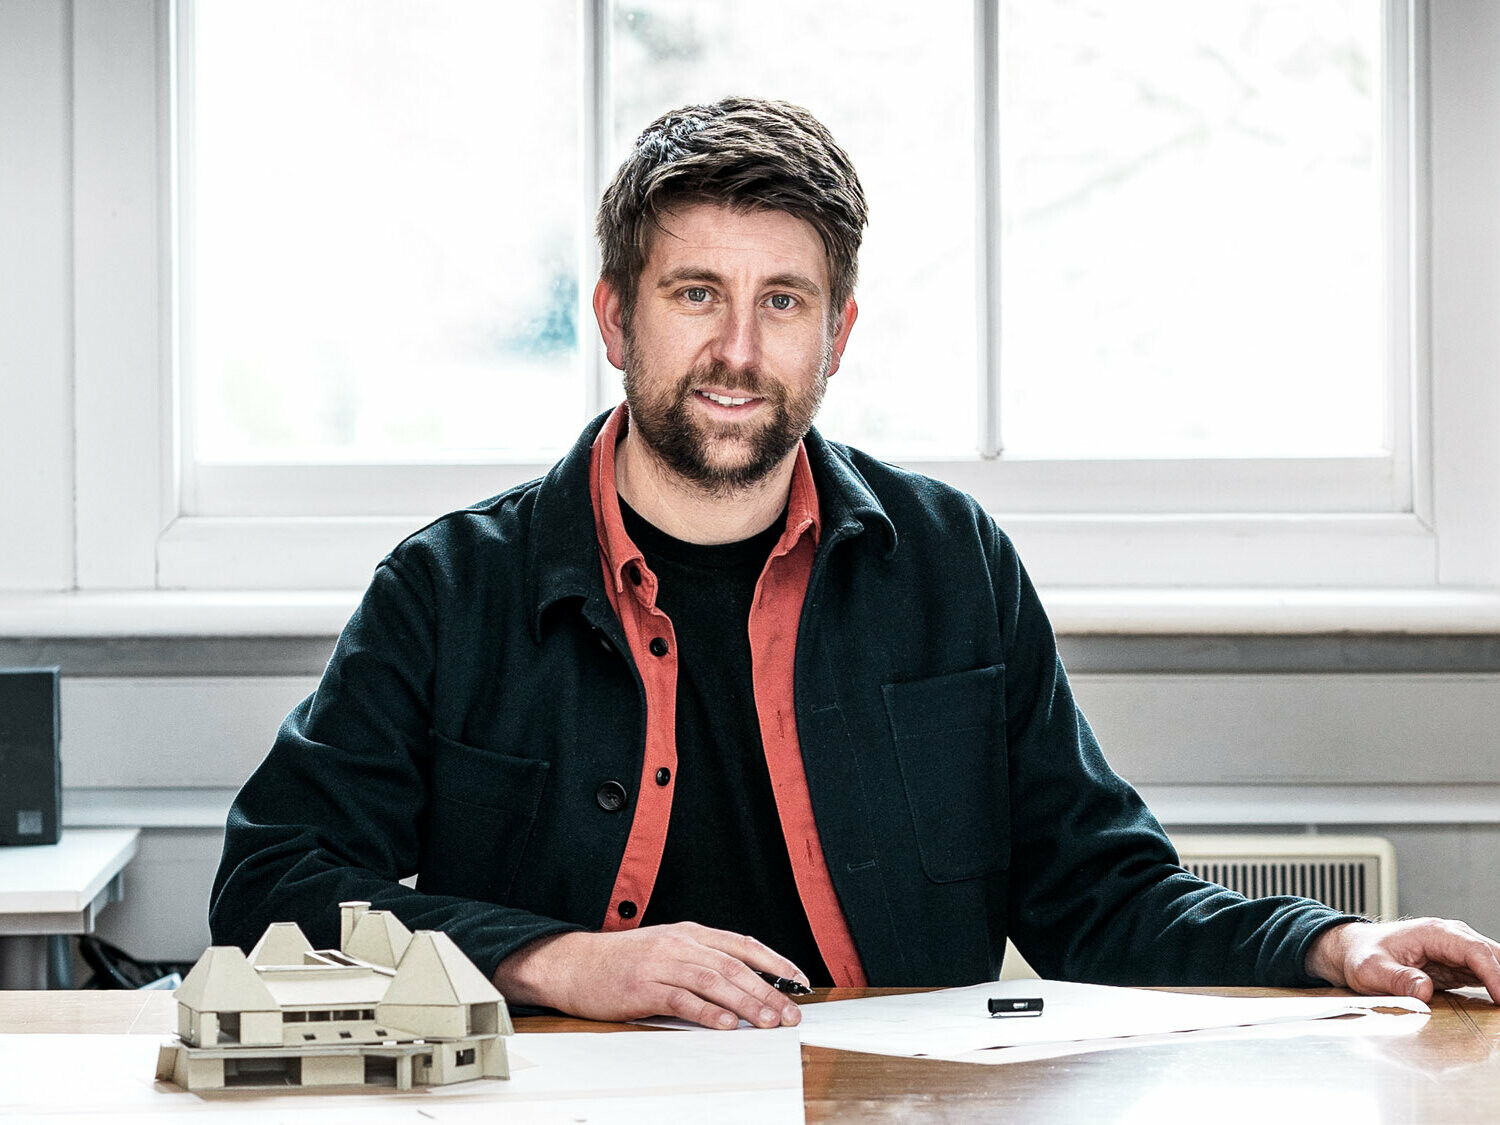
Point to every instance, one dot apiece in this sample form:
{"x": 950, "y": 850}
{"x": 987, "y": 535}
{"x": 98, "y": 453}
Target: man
{"x": 717, "y": 696}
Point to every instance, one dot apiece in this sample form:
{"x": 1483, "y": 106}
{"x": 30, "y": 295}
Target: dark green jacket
{"x": 482, "y": 693}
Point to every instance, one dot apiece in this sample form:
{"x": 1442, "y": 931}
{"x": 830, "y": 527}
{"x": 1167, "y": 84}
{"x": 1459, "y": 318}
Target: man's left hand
{"x": 1410, "y": 958}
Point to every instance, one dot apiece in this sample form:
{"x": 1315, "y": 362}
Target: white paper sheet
{"x": 572, "y": 1077}
{"x": 954, "y": 1022}
{"x": 1473, "y": 992}
{"x": 676, "y": 1023}
{"x": 1370, "y": 1027}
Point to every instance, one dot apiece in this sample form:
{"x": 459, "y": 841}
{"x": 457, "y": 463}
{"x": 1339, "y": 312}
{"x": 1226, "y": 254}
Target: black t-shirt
{"x": 725, "y": 862}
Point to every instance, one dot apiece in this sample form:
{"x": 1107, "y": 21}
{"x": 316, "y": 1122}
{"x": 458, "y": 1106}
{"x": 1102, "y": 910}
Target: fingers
{"x": 753, "y": 953}
{"x": 717, "y": 997}
{"x": 1415, "y": 957}
{"x": 681, "y": 970}
{"x": 1452, "y": 953}
{"x": 1485, "y": 964}
{"x": 1388, "y": 977}
{"x": 687, "y": 971}
{"x": 679, "y": 1002}
{"x": 1459, "y": 946}
{"x": 716, "y": 983}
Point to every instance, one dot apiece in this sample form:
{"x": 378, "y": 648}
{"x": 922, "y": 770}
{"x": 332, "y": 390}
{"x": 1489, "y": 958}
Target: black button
{"x": 610, "y": 796}
{"x": 658, "y": 646}
{"x": 663, "y": 776}
{"x": 626, "y": 909}
{"x": 634, "y": 571}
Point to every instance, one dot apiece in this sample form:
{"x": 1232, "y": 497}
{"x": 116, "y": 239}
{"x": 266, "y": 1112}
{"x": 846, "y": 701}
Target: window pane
{"x": 1191, "y": 253}
{"x": 894, "y": 83}
{"x": 384, "y": 201}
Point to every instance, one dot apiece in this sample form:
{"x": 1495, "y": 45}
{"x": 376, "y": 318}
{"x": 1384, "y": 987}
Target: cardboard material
{"x": 389, "y": 1008}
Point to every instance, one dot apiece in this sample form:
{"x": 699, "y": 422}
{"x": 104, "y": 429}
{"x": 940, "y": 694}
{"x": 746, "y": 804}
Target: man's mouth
{"x": 726, "y": 400}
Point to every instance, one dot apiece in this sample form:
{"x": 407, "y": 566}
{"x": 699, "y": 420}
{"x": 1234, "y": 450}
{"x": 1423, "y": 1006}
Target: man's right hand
{"x": 701, "y": 975}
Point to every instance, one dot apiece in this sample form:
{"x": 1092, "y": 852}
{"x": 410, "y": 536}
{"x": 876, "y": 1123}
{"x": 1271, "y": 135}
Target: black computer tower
{"x": 30, "y": 761}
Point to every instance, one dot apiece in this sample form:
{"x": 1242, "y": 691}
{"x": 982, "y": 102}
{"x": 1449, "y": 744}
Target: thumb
{"x": 1404, "y": 980}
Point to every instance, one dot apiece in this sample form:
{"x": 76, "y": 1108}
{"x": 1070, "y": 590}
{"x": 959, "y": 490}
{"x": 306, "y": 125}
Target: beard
{"x": 720, "y": 457}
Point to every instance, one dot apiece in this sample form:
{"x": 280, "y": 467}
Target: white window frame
{"x": 1428, "y": 517}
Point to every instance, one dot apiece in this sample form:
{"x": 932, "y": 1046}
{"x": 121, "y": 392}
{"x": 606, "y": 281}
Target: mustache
{"x": 747, "y": 381}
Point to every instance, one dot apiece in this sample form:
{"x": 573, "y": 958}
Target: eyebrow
{"x": 777, "y": 281}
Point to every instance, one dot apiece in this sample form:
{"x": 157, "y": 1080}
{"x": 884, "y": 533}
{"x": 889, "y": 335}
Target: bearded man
{"x": 717, "y": 698}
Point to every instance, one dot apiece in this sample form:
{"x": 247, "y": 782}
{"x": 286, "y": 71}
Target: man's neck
{"x": 686, "y": 510}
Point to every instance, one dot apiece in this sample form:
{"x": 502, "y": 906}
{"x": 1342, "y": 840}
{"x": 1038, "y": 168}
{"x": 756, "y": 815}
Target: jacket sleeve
{"x": 335, "y": 812}
{"x": 1097, "y": 893}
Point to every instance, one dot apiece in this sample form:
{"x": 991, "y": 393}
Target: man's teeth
{"x": 723, "y": 400}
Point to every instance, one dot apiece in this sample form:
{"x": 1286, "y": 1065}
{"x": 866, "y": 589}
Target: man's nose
{"x": 737, "y": 345}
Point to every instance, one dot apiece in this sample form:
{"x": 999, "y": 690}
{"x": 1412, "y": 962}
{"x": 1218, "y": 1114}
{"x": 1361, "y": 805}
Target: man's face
{"x": 731, "y": 343}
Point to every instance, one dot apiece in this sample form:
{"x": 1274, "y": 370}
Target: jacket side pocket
{"x": 482, "y": 809}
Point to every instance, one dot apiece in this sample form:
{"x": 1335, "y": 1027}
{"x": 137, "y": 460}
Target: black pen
{"x": 783, "y": 984}
{"x": 1016, "y": 1006}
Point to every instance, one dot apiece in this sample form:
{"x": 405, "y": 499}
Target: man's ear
{"x": 841, "y": 333}
{"x": 608, "y": 311}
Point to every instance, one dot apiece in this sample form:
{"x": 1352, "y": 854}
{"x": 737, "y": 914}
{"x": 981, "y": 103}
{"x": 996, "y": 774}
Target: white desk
{"x": 51, "y": 890}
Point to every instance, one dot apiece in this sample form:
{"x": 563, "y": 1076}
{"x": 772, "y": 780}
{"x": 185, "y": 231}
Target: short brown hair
{"x": 743, "y": 153}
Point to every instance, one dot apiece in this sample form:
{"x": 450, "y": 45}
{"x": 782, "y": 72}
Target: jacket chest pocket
{"x": 949, "y": 734}
{"x": 482, "y": 809}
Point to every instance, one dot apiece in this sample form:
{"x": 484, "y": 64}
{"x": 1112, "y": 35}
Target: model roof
{"x": 435, "y": 971}
{"x": 316, "y": 986}
{"x": 379, "y": 938}
{"x": 283, "y": 943}
{"x": 224, "y": 981}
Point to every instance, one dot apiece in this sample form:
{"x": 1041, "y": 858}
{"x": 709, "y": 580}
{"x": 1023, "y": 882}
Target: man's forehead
{"x": 718, "y": 237}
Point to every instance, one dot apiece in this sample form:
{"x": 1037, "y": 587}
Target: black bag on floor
{"x": 114, "y": 968}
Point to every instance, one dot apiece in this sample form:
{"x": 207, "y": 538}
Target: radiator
{"x": 1355, "y": 874}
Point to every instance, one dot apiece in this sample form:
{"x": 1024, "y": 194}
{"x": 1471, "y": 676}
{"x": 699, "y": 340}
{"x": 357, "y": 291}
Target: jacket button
{"x": 663, "y": 776}
{"x": 610, "y": 796}
{"x": 658, "y": 646}
{"x": 626, "y": 909}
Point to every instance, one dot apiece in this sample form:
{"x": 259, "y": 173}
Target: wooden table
{"x": 1447, "y": 1072}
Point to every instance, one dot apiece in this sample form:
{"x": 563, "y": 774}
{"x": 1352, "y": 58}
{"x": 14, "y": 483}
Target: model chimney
{"x": 349, "y": 914}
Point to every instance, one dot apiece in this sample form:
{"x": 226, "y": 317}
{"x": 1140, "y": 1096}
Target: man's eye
{"x": 697, "y": 294}
{"x": 783, "y": 301}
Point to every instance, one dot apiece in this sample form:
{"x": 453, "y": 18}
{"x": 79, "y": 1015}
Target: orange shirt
{"x": 774, "y": 615}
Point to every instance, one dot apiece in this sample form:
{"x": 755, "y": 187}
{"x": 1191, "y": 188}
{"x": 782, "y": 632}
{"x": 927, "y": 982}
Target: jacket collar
{"x": 848, "y": 504}
{"x": 563, "y": 559}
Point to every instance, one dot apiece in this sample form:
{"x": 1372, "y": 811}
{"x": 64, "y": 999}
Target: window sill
{"x": 1074, "y": 611}
{"x": 1163, "y": 551}
{"x": 1276, "y": 611}
{"x": 177, "y": 613}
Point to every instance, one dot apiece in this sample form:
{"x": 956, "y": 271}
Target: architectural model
{"x": 388, "y": 1007}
